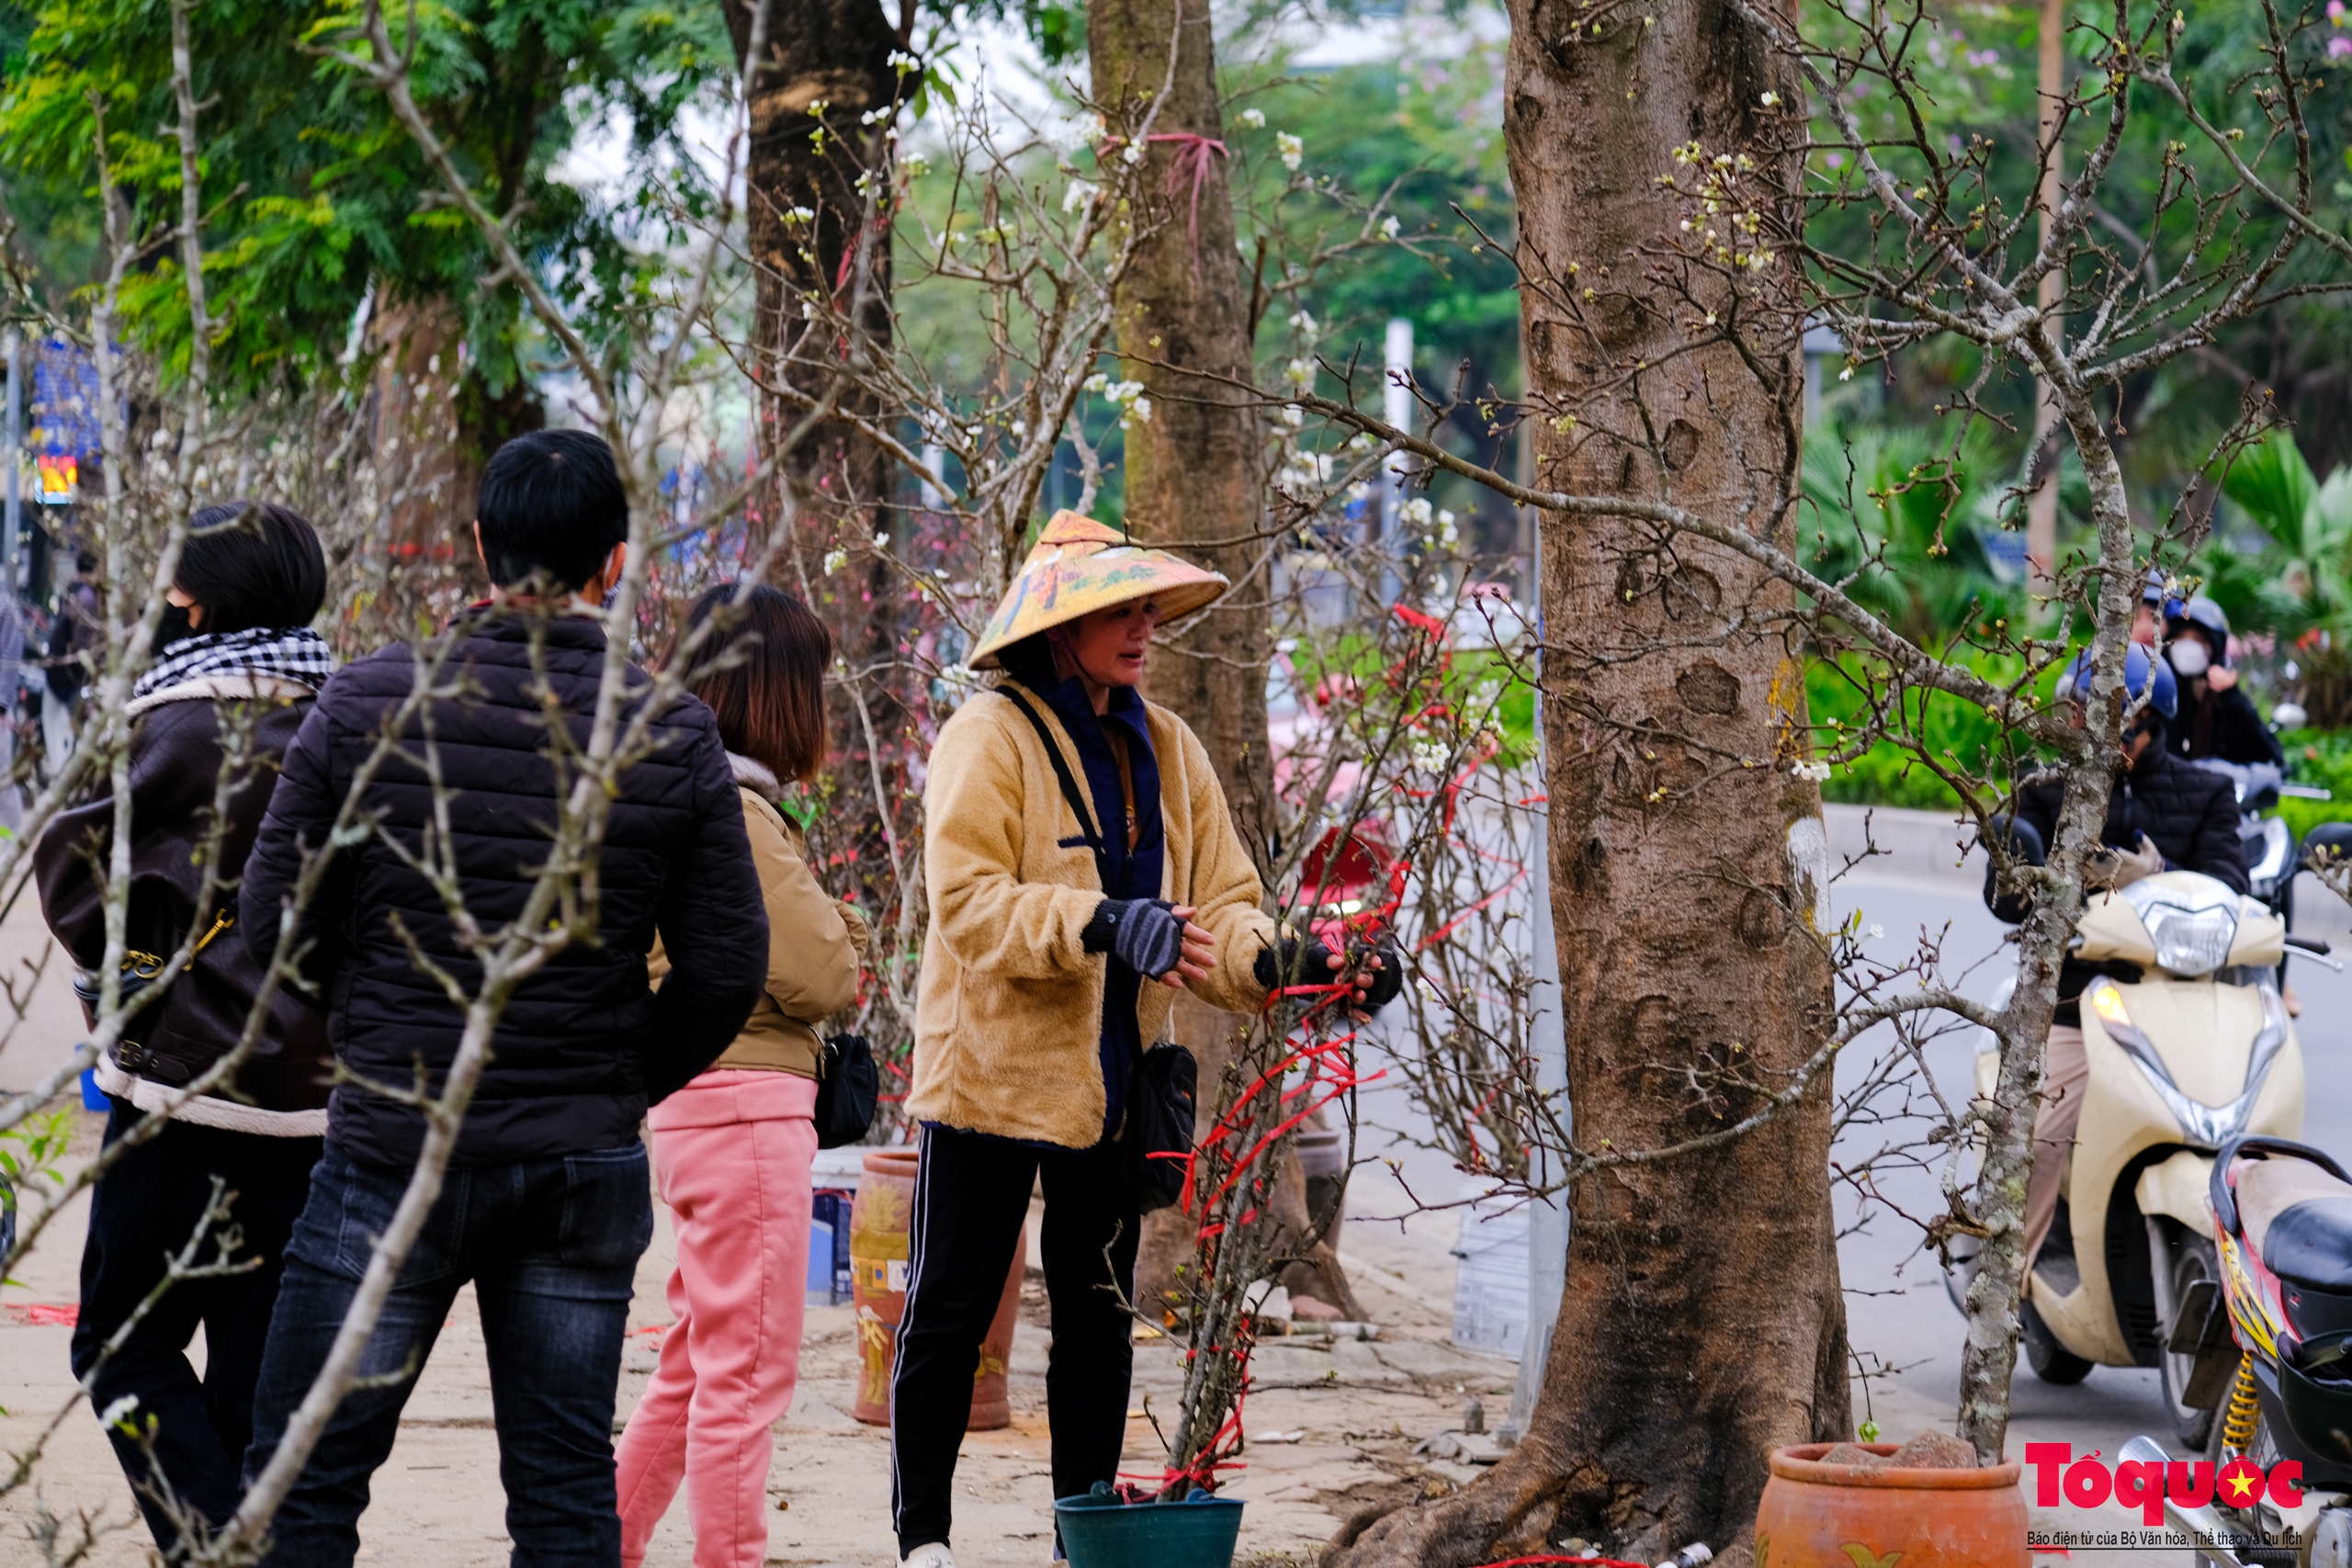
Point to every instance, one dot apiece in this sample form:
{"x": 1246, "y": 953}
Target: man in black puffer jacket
{"x": 546, "y": 1207}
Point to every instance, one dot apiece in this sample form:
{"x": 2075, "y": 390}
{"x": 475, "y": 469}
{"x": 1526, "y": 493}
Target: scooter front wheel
{"x": 2050, "y": 1361}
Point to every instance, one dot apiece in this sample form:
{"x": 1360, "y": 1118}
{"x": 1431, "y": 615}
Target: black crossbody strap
{"x": 1071, "y": 791}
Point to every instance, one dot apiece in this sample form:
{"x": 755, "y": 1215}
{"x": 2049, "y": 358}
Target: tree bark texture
{"x": 827, "y": 64}
{"x": 1701, "y": 1322}
{"x": 1196, "y": 470}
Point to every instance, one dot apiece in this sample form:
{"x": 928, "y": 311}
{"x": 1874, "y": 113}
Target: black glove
{"x": 1388, "y": 979}
{"x": 1141, "y": 933}
{"x": 1293, "y": 966}
{"x": 1313, "y": 968}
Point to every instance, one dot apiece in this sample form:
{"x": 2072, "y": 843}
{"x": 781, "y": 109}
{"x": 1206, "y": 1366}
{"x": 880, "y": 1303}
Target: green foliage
{"x": 2295, "y": 579}
{"x": 1907, "y": 519}
{"x": 1960, "y": 735}
{"x": 315, "y": 192}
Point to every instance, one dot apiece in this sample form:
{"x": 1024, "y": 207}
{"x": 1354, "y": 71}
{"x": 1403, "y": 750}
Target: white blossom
{"x": 1133, "y": 154}
{"x": 1389, "y": 225}
{"x": 1291, "y": 149}
{"x": 1417, "y": 512}
{"x": 1078, "y": 195}
{"x": 835, "y": 560}
{"x": 1818, "y": 773}
{"x": 1254, "y": 118}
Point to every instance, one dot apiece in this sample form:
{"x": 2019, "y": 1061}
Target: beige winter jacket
{"x": 1008, "y": 1021}
{"x": 815, "y": 943}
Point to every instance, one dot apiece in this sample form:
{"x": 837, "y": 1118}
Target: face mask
{"x": 173, "y": 627}
{"x": 2189, "y": 658}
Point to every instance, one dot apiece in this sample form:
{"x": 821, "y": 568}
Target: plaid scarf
{"x": 292, "y": 653}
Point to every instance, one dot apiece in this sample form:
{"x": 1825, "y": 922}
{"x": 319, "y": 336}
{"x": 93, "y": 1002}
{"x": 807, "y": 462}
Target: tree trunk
{"x": 1701, "y": 1322}
{"x": 827, "y": 64}
{"x": 1195, "y": 468}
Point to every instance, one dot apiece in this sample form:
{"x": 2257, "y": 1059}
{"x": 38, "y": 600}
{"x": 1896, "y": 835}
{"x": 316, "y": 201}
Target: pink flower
{"x": 2338, "y": 47}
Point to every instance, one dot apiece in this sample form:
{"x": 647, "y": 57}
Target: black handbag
{"x": 847, "y": 1094}
{"x": 1165, "y": 1085}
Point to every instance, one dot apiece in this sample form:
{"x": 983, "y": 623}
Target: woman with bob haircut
{"x": 236, "y": 667}
{"x": 732, "y": 1149}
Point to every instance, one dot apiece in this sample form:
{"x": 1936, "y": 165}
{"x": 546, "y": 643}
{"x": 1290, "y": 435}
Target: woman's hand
{"x": 1200, "y": 951}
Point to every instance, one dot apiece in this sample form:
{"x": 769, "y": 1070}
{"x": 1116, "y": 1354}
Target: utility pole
{"x": 2041, "y": 506}
{"x": 1397, "y": 408}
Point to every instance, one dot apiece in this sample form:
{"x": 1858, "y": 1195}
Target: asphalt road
{"x": 1899, "y": 1316}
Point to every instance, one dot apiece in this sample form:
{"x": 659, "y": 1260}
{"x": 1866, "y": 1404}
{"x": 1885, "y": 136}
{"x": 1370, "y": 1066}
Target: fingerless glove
{"x": 1141, "y": 933}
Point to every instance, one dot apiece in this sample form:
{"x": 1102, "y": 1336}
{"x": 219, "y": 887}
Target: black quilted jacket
{"x": 584, "y": 1045}
{"x": 2191, "y": 814}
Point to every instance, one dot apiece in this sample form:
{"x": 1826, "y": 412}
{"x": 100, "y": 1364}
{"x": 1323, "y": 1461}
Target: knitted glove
{"x": 1292, "y": 967}
{"x": 1388, "y": 979}
{"x": 1141, "y": 933}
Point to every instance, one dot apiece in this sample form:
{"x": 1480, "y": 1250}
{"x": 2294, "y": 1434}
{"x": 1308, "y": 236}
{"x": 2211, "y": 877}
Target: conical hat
{"x": 1081, "y": 566}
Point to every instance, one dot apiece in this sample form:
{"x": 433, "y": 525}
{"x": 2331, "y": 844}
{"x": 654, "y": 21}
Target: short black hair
{"x": 551, "y": 502}
{"x": 252, "y": 563}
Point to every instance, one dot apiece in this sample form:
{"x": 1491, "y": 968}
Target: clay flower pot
{"x": 877, "y": 1254}
{"x": 1847, "y": 1516}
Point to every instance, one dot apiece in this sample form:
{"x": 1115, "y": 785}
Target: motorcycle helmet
{"x": 2164, "y": 696}
{"x": 2213, "y": 644}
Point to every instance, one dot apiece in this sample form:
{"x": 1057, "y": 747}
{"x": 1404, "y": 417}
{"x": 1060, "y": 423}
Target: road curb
{"x": 1915, "y": 846}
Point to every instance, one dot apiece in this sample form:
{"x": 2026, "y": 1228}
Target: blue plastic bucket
{"x": 93, "y": 1097}
{"x": 1102, "y": 1532}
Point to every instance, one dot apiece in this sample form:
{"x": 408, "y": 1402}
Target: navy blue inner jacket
{"x": 1134, "y": 874}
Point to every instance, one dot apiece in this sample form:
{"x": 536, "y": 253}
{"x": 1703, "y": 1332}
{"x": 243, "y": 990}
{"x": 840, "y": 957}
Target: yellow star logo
{"x": 2240, "y": 1488}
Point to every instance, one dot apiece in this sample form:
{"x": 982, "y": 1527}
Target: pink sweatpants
{"x": 732, "y": 1153}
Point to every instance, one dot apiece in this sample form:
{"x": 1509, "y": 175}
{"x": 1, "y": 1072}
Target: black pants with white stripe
{"x": 971, "y": 1198}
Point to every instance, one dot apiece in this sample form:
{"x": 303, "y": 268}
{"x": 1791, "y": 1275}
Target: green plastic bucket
{"x": 1101, "y": 1532}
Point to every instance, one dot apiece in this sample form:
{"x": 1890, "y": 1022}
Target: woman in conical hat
{"x": 1043, "y": 977}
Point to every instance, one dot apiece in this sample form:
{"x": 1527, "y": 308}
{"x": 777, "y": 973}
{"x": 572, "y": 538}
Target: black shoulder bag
{"x": 848, "y": 1091}
{"x": 1163, "y": 1090}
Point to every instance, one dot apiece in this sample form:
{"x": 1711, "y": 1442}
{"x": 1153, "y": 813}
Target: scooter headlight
{"x": 2206, "y": 1126}
{"x": 2192, "y": 929}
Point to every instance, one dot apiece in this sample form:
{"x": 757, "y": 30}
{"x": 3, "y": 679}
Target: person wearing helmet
{"x": 2216, "y": 721}
{"x": 2148, "y": 620}
{"x": 2165, "y": 814}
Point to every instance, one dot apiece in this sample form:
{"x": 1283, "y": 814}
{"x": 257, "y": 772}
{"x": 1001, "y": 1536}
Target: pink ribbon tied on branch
{"x": 1190, "y": 158}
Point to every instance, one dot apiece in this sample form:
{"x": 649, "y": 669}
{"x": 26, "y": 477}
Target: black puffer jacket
{"x": 584, "y": 1044}
{"x": 2190, "y": 813}
{"x": 281, "y": 1088}
{"x": 2223, "y": 725}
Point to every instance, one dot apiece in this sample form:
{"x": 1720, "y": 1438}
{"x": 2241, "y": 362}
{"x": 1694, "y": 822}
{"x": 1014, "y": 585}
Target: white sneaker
{"x": 935, "y": 1555}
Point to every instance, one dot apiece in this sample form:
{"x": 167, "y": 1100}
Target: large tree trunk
{"x": 827, "y": 62}
{"x": 1701, "y": 1322}
{"x": 1196, "y": 470}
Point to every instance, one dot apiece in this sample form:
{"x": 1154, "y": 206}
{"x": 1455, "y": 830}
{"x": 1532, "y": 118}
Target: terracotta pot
{"x": 1842, "y": 1516}
{"x": 877, "y": 1260}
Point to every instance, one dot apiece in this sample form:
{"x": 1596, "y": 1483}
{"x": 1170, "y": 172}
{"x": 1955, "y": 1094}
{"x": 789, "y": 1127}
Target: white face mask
{"x": 2188, "y": 657}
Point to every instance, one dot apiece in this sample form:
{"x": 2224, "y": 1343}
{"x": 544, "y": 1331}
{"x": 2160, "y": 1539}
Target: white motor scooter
{"x": 2194, "y": 1052}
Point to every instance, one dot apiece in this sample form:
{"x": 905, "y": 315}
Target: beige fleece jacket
{"x": 1008, "y": 1020}
{"x": 815, "y": 944}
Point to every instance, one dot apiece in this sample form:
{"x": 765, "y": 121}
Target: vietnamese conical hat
{"x": 1081, "y": 566}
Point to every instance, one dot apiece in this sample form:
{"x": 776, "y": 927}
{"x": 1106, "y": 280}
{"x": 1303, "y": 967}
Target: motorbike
{"x": 2271, "y": 1342}
{"x": 2188, "y": 1046}
{"x": 2267, "y": 843}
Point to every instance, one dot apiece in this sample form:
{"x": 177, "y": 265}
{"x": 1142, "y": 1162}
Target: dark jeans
{"x": 971, "y": 1198}
{"x": 551, "y": 1247}
{"x": 146, "y": 1208}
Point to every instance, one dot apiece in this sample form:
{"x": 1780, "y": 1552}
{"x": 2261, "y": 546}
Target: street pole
{"x": 15, "y": 523}
{"x": 2041, "y": 505}
{"x": 1547, "y": 1217}
{"x": 1397, "y": 408}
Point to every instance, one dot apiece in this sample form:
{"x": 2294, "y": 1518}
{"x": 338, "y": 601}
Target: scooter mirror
{"x": 2288, "y": 716}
